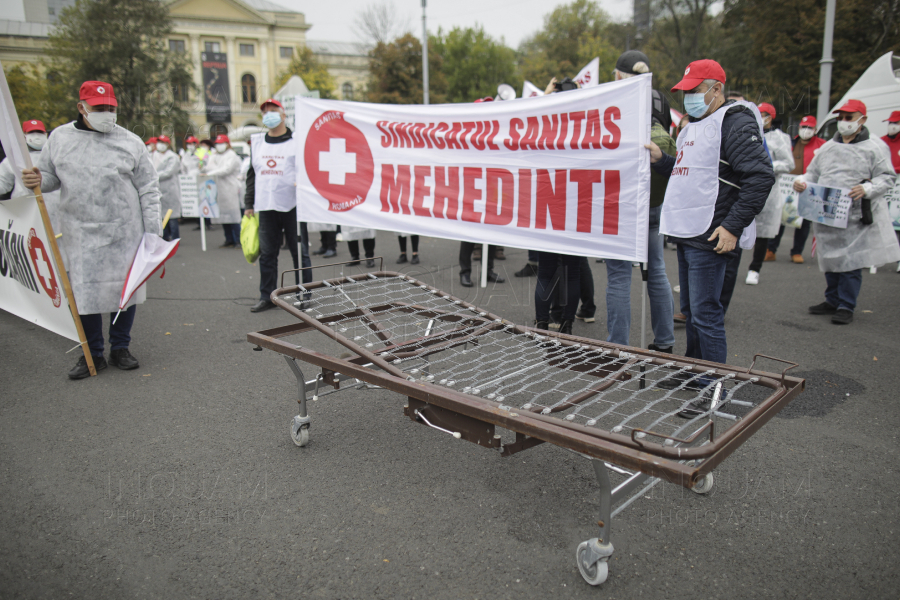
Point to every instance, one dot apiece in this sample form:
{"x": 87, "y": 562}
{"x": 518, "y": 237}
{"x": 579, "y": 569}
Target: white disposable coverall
{"x": 109, "y": 196}
{"x": 168, "y": 167}
{"x": 843, "y": 166}
{"x": 226, "y": 168}
{"x": 768, "y": 222}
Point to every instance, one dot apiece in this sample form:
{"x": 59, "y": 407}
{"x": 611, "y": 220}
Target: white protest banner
{"x": 790, "y": 217}
{"x": 190, "y": 201}
{"x": 529, "y": 90}
{"x": 208, "y": 194}
{"x": 565, "y": 173}
{"x": 893, "y": 203}
{"x": 825, "y": 205}
{"x": 590, "y": 75}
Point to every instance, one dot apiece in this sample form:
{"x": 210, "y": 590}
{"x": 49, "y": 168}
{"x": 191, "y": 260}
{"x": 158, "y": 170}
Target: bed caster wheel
{"x": 704, "y": 485}
{"x": 300, "y": 430}
{"x": 592, "y": 564}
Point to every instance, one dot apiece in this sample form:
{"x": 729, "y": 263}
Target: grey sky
{"x": 513, "y": 20}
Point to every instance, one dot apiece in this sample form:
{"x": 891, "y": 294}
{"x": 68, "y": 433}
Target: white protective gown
{"x": 168, "y": 167}
{"x": 226, "y": 168}
{"x": 768, "y": 222}
{"x": 109, "y": 196}
{"x": 858, "y": 246}
{"x": 190, "y": 164}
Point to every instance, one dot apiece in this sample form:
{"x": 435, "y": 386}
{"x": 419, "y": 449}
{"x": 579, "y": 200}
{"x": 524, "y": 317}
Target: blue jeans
{"x": 701, "y": 274}
{"x": 171, "y": 231}
{"x": 843, "y": 289}
{"x": 232, "y": 233}
{"x": 119, "y": 332}
{"x": 553, "y": 270}
{"x": 731, "y": 275}
{"x": 618, "y": 293}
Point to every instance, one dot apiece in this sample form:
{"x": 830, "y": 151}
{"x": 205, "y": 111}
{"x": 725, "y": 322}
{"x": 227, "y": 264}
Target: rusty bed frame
{"x": 405, "y": 327}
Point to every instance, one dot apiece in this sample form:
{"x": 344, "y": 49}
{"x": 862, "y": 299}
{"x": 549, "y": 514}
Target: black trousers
{"x": 329, "y": 240}
{"x": 588, "y": 308}
{"x": 368, "y": 246}
{"x": 273, "y": 225}
{"x": 465, "y": 257}
{"x": 801, "y": 234}
{"x": 401, "y": 239}
{"x": 759, "y": 254}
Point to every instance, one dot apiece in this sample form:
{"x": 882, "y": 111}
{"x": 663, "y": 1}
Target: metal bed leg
{"x": 593, "y": 555}
{"x": 300, "y": 423}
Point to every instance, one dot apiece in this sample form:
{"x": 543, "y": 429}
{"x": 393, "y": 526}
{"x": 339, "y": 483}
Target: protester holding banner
{"x": 718, "y": 183}
{"x": 854, "y": 161}
{"x": 110, "y": 197}
{"x": 618, "y": 272}
{"x": 225, "y": 166}
{"x": 805, "y": 144}
{"x": 892, "y": 139}
{"x": 168, "y": 167}
{"x": 271, "y": 192}
{"x": 769, "y": 220}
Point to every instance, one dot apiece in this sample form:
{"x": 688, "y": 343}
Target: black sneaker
{"x": 370, "y": 263}
{"x": 80, "y": 370}
{"x": 402, "y": 259}
{"x": 566, "y": 327}
{"x": 262, "y": 305}
{"x": 319, "y": 252}
{"x": 822, "y": 309}
{"x": 583, "y": 316}
{"x": 656, "y": 348}
{"x": 529, "y": 270}
{"x": 123, "y": 359}
{"x": 842, "y": 316}
{"x": 414, "y": 260}
{"x": 495, "y": 278}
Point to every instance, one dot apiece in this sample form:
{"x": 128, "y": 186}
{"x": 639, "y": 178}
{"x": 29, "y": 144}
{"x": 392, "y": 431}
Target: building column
{"x": 232, "y": 76}
{"x": 264, "y": 85}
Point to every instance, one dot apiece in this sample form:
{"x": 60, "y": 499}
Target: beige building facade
{"x": 257, "y": 39}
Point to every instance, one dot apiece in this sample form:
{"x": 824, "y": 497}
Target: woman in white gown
{"x": 225, "y": 166}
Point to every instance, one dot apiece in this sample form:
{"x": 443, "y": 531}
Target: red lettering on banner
{"x": 611, "y": 204}
{"x": 576, "y": 118}
{"x": 513, "y": 142}
{"x": 481, "y": 130}
{"x": 550, "y": 201}
{"x": 394, "y": 189}
{"x": 420, "y": 192}
{"x": 611, "y": 141}
{"x": 592, "y": 130}
{"x": 386, "y": 138}
{"x": 403, "y": 131}
{"x": 524, "y": 208}
{"x": 467, "y": 127}
{"x": 495, "y": 130}
{"x": 563, "y": 130}
{"x": 529, "y": 141}
{"x": 680, "y": 171}
{"x": 585, "y": 180}
{"x": 549, "y": 131}
{"x": 426, "y": 133}
{"x": 452, "y": 136}
{"x": 500, "y": 198}
{"x": 446, "y": 191}
{"x": 415, "y": 132}
{"x": 438, "y": 137}
{"x": 471, "y": 194}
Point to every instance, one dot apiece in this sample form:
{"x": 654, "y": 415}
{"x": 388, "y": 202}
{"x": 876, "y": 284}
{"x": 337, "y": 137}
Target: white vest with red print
{"x": 276, "y": 174}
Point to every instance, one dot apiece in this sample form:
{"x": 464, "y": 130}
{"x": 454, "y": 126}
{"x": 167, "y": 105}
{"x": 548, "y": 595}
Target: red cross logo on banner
{"x": 338, "y": 161}
{"x": 43, "y": 267}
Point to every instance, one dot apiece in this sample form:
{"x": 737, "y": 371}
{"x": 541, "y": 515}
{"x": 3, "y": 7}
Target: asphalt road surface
{"x": 179, "y": 479}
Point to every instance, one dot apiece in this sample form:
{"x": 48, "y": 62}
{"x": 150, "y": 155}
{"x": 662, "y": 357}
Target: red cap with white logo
{"x": 97, "y": 92}
{"x": 262, "y": 106}
{"x": 152, "y": 140}
{"x": 191, "y": 140}
{"x": 33, "y": 125}
{"x": 699, "y": 71}
{"x": 852, "y": 106}
{"x": 222, "y": 139}
{"x": 765, "y": 107}
{"x": 808, "y": 121}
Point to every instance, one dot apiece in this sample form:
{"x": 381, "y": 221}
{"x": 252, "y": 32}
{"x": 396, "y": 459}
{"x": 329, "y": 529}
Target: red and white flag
{"x": 590, "y": 75}
{"x": 529, "y": 90}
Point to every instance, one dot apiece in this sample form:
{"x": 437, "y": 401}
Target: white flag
{"x": 590, "y": 75}
{"x": 529, "y": 90}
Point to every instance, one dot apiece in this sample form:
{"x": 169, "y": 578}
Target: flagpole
{"x": 424, "y": 56}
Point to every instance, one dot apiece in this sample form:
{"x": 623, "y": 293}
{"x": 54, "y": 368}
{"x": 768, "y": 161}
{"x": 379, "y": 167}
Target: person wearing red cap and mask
{"x": 718, "y": 183}
{"x": 151, "y": 145}
{"x": 168, "y": 168}
{"x": 768, "y": 222}
{"x": 892, "y": 139}
{"x": 805, "y": 145}
{"x": 225, "y": 166}
{"x": 854, "y": 161}
{"x": 190, "y": 162}
{"x": 271, "y": 192}
{"x": 109, "y": 199}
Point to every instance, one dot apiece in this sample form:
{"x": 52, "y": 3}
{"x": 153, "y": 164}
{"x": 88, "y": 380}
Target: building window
{"x": 180, "y": 93}
{"x": 176, "y": 46}
{"x": 248, "y": 89}
{"x": 286, "y": 52}
{"x": 217, "y": 129}
{"x": 212, "y": 47}
{"x": 347, "y": 90}
{"x": 246, "y": 49}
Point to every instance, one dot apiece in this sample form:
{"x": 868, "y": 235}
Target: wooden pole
{"x": 166, "y": 218}
{"x": 64, "y": 277}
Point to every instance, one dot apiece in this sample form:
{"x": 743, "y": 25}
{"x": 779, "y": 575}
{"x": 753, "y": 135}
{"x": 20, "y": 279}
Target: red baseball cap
{"x": 222, "y": 139}
{"x": 699, "y": 71}
{"x": 895, "y": 116}
{"x": 97, "y": 92}
{"x": 270, "y": 101}
{"x": 191, "y": 140}
{"x": 29, "y": 126}
{"x": 150, "y": 141}
{"x": 765, "y": 107}
{"x": 852, "y": 106}
{"x": 808, "y": 121}
{"x": 164, "y": 138}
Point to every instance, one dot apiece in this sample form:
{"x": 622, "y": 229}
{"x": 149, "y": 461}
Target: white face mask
{"x": 848, "y": 128}
{"x": 35, "y": 140}
{"x": 767, "y": 121}
{"x": 220, "y": 148}
{"x": 161, "y": 146}
{"x": 191, "y": 148}
{"x": 806, "y": 133}
{"x": 101, "y": 121}
{"x": 893, "y": 129}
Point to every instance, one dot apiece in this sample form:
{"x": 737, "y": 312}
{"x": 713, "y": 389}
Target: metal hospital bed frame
{"x": 467, "y": 372}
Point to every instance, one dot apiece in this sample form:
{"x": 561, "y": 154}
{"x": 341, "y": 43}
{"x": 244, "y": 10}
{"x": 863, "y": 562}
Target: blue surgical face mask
{"x": 695, "y": 104}
{"x": 271, "y": 119}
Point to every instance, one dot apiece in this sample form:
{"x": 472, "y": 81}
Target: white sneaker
{"x": 752, "y": 278}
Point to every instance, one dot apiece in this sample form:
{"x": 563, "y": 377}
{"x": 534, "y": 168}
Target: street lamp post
{"x": 425, "y": 56}
{"x": 826, "y": 62}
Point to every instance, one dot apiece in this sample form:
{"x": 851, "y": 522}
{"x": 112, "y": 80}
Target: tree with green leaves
{"x": 395, "y": 72}
{"x": 474, "y": 64}
{"x": 313, "y": 73}
{"x": 40, "y": 97}
{"x": 123, "y": 42}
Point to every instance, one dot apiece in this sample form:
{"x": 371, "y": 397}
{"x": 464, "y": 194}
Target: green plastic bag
{"x": 250, "y": 237}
